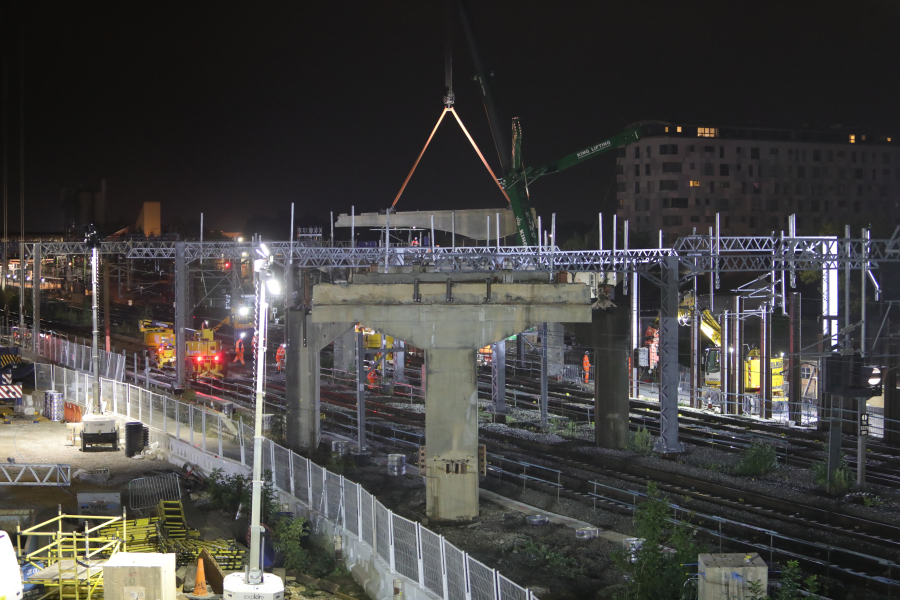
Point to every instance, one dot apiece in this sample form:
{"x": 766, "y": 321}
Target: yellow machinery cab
{"x": 205, "y": 354}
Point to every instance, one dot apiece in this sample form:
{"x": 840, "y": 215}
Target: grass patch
{"x": 547, "y": 557}
{"x": 641, "y": 442}
{"x": 757, "y": 460}
{"x": 842, "y": 478}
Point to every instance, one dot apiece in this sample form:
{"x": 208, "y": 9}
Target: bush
{"x": 758, "y": 460}
{"x": 230, "y": 492}
{"x": 640, "y": 442}
{"x": 790, "y": 586}
{"x": 652, "y": 573}
{"x": 289, "y": 534}
{"x": 842, "y": 478}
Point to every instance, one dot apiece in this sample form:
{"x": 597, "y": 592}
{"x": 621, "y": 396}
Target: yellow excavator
{"x": 711, "y": 360}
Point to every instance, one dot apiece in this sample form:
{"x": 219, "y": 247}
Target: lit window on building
{"x": 678, "y": 129}
{"x": 707, "y": 132}
{"x": 694, "y": 183}
{"x": 852, "y": 139}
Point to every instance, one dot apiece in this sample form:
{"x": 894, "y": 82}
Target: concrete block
{"x": 730, "y": 575}
{"x": 130, "y": 575}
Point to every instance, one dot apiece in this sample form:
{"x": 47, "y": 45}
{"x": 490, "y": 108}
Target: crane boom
{"x": 517, "y": 180}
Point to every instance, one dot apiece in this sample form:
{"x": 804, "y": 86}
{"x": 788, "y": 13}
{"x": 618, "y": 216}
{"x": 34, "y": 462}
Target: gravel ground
{"x": 504, "y": 541}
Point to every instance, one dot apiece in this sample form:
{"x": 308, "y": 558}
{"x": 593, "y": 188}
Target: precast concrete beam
{"x": 469, "y": 223}
{"x": 304, "y": 343}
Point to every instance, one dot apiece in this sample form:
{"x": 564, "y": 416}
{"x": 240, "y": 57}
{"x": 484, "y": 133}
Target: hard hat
{"x": 585, "y": 352}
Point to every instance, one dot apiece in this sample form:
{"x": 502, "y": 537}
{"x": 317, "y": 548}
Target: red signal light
{"x": 199, "y": 359}
{"x": 216, "y": 358}
{"x": 228, "y": 265}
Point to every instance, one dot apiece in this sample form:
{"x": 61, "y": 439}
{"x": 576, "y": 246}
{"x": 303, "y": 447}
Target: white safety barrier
{"x": 61, "y": 351}
{"x": 428, "y": 564}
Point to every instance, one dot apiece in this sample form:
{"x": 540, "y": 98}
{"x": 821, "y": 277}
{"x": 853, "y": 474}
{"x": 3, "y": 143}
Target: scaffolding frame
{"x": 78, "y": 564}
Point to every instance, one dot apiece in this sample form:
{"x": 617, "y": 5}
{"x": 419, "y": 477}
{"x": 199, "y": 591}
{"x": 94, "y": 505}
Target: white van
{"x": 10, "y": 575}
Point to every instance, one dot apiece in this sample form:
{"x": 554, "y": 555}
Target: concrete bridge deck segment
{"x": 449, "y": 321}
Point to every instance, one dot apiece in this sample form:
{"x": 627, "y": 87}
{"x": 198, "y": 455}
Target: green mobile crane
{"x": 516, "y": 177}
{"x": 516, "y": 181}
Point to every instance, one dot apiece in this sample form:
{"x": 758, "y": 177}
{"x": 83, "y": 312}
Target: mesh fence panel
{"x": 351, "y": 507}
{"x": 43, "y": 377}
{"x": 158, "y": 411}
{"x": 133, "y": 399}
{"x": 317, "y": 484}
{"x": 106, "y": 393}
{"x": 282, "y": 469}
{"x": 509, "y": 590}
{"x": 197, "y": 424}
{"x": 406, "y": 555}
{"x": 431, "y": 561}
{"x": 121, "y": 397}
{"x": 456, "y": 572}
{"x": 145, "y": 406}
{"x": 368, "y": 525}
{"x": 301, "y": 479}
{"x": 267, "y": 457}
{"x": 333, "y": 498}
{"x": 171, "y": 417}
{"x": 247, "y": 434}
{"x": 481, "y": 580}
{"x": 383, "y": 532}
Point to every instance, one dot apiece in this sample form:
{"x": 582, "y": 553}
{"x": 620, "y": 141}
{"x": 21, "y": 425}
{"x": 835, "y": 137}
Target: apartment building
{"x": 678, "y": 176}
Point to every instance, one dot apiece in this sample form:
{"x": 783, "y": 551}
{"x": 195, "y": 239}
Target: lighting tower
{"x": 254, "y": 583}
{"x": 93, "y": 242}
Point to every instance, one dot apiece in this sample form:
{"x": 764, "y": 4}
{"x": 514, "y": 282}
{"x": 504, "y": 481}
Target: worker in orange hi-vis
{"x": 279, "y": 358}
{"x": 586, "y": 363}
{"x": 373, "y": 378}
{"x": 239, "y": 350}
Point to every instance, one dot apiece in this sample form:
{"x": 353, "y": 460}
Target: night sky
{"x": 237, "y": 110}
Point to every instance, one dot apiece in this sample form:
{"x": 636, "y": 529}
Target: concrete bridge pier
{"x": 450, "y": 321}
{"x": 305, "y": 342}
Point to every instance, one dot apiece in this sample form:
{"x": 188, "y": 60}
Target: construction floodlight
{"x": 272, "y": 283}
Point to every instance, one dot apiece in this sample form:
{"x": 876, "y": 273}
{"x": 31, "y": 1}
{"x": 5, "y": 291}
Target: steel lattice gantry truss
{"x": 667, "y": 267}
{"x": 695, "y": 254}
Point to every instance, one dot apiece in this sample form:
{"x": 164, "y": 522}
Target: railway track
{"x": 863, "y": 553}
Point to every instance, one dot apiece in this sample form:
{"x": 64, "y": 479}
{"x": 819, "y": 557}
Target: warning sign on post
{"x": 864, "y": 425}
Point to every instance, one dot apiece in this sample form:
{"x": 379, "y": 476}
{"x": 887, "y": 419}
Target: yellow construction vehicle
{"x": 156, "y": 333}
{"x": 205, "y": 354}
{"x": 711, "y": 359}
{"x": 203, "y": 351}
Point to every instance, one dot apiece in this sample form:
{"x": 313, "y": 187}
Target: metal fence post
{"x": 203, "y": 424}
{"x": 444, "y": 570}
{"x": 343, "y": 506}
{"x": 309, "y": 487}
{"x": 390, "y": 532}
{"x": 219, "y": 433}
{"x": 420, "y": 554}
{"x": 240, "y": 441}
{"x": 359, "y": 528}
{"x": 272, "y": 463}
{"x": 190, "y": 423}
{"x": 290, "y": 462}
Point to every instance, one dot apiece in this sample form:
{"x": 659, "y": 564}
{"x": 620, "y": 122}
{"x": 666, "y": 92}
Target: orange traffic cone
{"x": 200, "y": 581}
